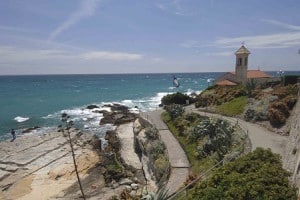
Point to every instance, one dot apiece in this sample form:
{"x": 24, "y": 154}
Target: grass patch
{"x": 233, "y": 107}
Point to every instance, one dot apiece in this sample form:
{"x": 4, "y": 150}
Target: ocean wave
{"x": 21, "y": 119}
{"x": 190, "y": 91}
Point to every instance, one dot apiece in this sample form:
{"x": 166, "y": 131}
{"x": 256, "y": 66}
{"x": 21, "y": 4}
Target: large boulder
{"x": 119, "y": 115}
{"x": 90, "y": 107}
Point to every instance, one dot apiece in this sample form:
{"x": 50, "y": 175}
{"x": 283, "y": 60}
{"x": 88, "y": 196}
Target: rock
{"x": 132, "y": 193}
{"x": 125, "y": 181}
{"x": 128, "y": 188}
{"x": 134, "y": 186}
{"x": 115, "y": 185}
{"x": 28, "y": 130}
{"x": 119, "y": 115}
{"x": 90, "y": 107}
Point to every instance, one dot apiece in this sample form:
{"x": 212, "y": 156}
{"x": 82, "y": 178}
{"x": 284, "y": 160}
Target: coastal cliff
{"x": 40, "y": 166}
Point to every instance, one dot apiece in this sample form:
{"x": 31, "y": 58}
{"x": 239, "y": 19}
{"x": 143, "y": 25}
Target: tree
{"x": 176, "y": 98}
{"x": 257, "y": 175}
{"x": 69, "y": 124}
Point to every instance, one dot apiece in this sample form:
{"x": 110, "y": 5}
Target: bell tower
{"x": 241, "y": 66}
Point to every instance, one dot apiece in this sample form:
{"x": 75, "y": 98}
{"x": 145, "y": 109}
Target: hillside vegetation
{"x": 205, "y": 140}
{"x": 257, "y": 175}
{"x": 251, "y": 102}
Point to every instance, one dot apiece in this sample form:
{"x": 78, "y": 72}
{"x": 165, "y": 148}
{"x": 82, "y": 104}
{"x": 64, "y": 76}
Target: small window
{"x": 246, "y": 61}
{"x": 239, "y": 61}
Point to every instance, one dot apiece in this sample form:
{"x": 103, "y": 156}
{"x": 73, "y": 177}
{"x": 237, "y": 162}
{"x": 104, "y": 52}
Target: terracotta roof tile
{"x": 256, "y": 74}
{"x": 225, "y": 82}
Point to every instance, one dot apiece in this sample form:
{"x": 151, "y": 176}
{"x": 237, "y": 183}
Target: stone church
{"x": 242, "y": 75}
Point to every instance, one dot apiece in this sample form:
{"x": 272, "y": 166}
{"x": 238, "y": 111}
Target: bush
{"x": 290, "y": 101}
{"x": 161, "y": 164}
{"x": 175, "y": 110}
{"x": 277, "y": 118}
{"x": 257, "y": 175}
{"x": 151, "y": 133}
{"x": 177, "y": 98}
{"x": 158, "y": 148}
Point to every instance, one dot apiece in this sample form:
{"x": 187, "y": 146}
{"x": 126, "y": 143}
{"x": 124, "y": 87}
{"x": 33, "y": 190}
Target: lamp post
{"x": 280, "y": 72}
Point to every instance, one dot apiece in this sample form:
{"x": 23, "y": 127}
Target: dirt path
{"x": 178, "y": 160}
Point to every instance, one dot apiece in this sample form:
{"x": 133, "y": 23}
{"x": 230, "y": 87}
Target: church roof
{"x": 225, "y": 82}
{"x": 242, "y": 50}
{"x": 256, "y": 74}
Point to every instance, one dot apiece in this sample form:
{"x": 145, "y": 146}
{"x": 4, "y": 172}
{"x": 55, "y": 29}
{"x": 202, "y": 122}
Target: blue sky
{"x": 146, "y": 36}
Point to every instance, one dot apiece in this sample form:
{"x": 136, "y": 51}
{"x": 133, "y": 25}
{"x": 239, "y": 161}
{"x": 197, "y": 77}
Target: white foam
{"x": 190, "y": 91}
{"x": 21, "y": 119}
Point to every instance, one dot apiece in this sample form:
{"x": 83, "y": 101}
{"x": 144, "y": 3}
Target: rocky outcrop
{"x": 152, "y": 151}
{"x": 119, "y": 115}
{"x": 90, "y": 107}
{"x": 28, "y": 130}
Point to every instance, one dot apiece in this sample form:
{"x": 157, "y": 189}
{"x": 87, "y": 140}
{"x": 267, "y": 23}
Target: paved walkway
{"x": 178, "y": 160}
{"x": 259, "y": 136}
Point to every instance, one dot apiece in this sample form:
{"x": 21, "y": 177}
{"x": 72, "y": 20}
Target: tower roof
{"x": 242, "y": 50}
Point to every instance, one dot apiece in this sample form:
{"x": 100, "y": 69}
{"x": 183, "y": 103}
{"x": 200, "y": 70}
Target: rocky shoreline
{"x": 41, "y": 167}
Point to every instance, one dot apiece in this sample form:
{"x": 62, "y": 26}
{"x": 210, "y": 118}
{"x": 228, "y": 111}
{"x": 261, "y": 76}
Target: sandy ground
{"x": 35, "y": 167}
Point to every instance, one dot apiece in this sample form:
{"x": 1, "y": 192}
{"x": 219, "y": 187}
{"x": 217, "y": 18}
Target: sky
{"x": 146, "y": 36}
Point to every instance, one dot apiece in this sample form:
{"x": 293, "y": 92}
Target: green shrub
{"x": 176, "y": 98}
{"x": 158, "y": 148}
{"x": 151, "y": 133}
{"x": 161, "y": 164}
{"x": 257, "y": 175}
{"x": 175, "y": 110}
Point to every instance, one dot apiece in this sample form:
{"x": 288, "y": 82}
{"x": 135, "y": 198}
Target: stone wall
{"x": 291, "y": 160}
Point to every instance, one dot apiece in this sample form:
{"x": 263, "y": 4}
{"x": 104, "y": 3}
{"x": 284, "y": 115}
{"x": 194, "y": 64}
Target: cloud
{"x": 15, "y": 54}
{"x": 15, "y": 29}
{"x": 291, "y": 38}
{"x": 115, "y": 56}
{"x": 86, "y": 9}
{"x": 277, "y": 40}
{"x": 191, "y": 44}
{"x": 283, "y": 25}
{"x": 280, "y": 40}
{"x": 225, "y": 53}
{"x": 174, "y": 7}
{"x": 18, "y": 55}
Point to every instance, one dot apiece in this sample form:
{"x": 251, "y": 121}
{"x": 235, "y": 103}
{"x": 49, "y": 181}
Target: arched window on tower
{"x": 239, "y": 62}
{"x": 246, "y": 61}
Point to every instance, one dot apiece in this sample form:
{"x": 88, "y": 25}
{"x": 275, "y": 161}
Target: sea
{"x": 39, "y": 100}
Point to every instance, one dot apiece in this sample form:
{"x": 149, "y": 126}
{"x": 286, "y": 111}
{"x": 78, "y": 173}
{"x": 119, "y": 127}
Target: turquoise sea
{"x": 39, "y": 100}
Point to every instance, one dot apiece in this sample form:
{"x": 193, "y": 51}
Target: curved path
{"x": 178, "y": 160}
{"x": 258, "y": 135}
